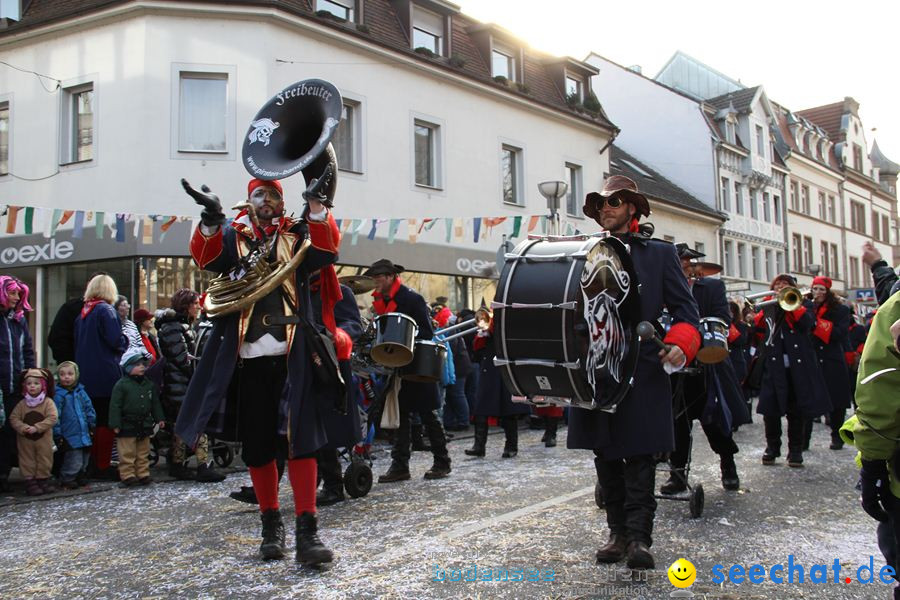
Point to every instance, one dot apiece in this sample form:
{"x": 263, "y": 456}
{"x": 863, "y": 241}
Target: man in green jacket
{"x": 134, "y": 409}
{"x": 875, "y": 428}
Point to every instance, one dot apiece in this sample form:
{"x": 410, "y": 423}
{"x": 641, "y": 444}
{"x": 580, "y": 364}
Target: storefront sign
{"x": 13, "y": 256}
{"x": 865, "y": 295}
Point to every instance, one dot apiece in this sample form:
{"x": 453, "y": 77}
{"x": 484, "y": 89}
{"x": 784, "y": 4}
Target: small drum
{"x": 395, "y": 336}
{"x": 361, "y": 362}
{"x": 565, "y": 318}
{"x": 427, "y": 364}
{"x": 714, "y": 332}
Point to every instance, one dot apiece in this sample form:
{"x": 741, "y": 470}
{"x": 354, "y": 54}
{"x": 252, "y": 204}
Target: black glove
{"x": 874, "y": 479}
{"x": 212, "y": 215}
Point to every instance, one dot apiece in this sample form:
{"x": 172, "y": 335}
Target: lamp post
{"x": 553, "y": 191}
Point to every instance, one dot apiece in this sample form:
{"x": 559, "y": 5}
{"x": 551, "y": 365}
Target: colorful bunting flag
{"x": 100, "y": 220}
{"x": 120, "y": 228}
{"x": 392, "y": 230}
{"x": 29, "y": 220}
{"x": 12, "y": 214}
{"x": 532, "y": 223}
{"x": 79, "y": 225}
{"x": 448, "y": 226}
{"x": 517, "y": 227}
{"x": 371, "y": 235}
{"x": 476, "y": 229}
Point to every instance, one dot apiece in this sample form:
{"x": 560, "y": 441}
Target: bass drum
{"x": 565, "y": 319}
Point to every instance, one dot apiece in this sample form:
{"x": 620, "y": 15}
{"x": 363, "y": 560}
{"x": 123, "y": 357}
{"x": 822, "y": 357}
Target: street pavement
{"x": 532, "y": 517}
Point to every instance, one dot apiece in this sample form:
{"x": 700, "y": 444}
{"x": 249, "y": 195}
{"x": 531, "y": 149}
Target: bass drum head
{"x": 610, "y": 308}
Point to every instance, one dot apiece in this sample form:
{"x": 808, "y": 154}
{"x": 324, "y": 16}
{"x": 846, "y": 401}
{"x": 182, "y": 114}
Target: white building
{"x": 445, "y": 117}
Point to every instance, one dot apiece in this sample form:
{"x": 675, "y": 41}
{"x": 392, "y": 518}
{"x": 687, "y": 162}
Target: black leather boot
{"x": 272, "y": 546}
{"x": 481, "y": 431}
{"x": 246, "y": 494}
{"x": 676, "y": 483}
{"x": 549, "y": 438}
{"x": 440, "y": 468}
{"x": 310, "y": 549}
{"x": 613, "y": 551}
{"x": 730, "y": 480}
{"x": 396, "y": 472}
{"x": 511, "y": 429}
{"x": 639, "y": 556}
{"x": 208, "y": 474}
{"x": 329, "y": 495}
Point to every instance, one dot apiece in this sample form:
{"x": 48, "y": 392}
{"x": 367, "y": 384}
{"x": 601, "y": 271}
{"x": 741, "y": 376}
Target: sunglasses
{"x": 613, "y": 202}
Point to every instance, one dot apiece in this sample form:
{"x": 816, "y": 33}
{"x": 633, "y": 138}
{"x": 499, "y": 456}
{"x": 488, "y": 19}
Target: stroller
{"x": 358, "y": 474}
{"x": 163, "y": 440}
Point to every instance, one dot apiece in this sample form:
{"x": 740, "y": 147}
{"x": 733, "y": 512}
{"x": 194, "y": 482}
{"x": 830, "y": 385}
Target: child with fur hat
{"x": 32, "y": 419}
{"x": 134, "y": 409}
{"x": 77, "y": 420}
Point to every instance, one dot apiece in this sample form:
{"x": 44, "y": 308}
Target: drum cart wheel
{"x": 223, "y": 455}
{"x": 696, "y": 501}
{"x": 358, "y": 479}
{"x": 598, "y": 496}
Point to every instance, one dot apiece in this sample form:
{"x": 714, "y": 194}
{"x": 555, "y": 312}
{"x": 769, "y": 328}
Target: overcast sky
{"x": 805, "y": 53}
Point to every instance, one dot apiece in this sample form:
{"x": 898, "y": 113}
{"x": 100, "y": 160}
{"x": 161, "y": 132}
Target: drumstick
{"x": 647, "y": 332}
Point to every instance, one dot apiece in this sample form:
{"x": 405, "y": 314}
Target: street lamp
{"x": 553, "y": 191}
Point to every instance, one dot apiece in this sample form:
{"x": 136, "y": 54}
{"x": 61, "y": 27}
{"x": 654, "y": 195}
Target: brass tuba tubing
{"x": 457, "y": 326}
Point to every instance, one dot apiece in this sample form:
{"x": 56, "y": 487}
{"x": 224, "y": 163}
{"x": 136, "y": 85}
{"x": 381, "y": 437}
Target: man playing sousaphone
{"x": 626, "y": 441}
{"x": 254, "y": 378}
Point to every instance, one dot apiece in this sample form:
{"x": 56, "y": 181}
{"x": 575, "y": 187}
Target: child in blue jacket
{"x": 77, "y": 420}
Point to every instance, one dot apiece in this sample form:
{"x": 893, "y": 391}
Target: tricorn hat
{"x": 624, "y": 187}
{"x": 383, "y": 266}
{"x": 685, "y": 251}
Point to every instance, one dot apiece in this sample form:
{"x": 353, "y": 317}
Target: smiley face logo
{"x": 682, "y": 573}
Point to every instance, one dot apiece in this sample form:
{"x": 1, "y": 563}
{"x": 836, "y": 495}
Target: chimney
{"x": 636, "y": 68}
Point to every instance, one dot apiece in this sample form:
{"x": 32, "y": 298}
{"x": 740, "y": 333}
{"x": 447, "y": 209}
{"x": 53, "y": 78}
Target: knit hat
{"x": 823, "y": 281}
{"x": 130, "y": 359}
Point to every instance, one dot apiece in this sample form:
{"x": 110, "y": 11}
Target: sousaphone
{"x": 291, "y": 133}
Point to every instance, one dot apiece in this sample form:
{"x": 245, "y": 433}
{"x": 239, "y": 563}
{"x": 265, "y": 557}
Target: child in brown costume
{"x": 33, "y": 419}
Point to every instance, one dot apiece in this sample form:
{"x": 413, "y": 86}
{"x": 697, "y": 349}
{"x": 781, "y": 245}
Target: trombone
{"x": 788, "y": 299}
{"x": 471, "y": 322}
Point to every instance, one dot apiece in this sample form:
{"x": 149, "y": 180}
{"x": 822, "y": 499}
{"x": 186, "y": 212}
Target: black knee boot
{"x": 272, "y": 545}
{"x": 511, "y": 429}
{"x": 550, "y": 432}
{"x": 481, "y": 431}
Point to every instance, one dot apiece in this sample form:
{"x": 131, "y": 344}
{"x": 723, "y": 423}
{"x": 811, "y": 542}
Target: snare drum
{"x": 427, "y": 364}
{"x": 395, "y": 336}
{"x": 714, "y": 332}
{"x": 565, "y": 318}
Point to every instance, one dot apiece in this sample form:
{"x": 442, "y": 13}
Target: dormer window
{"x": 503, "y": 62}
{"x": 428, "y": 31}
{"x": 730, "y": 136}
{"x": 342, "y": 9}
{"x": 574, "y": 88}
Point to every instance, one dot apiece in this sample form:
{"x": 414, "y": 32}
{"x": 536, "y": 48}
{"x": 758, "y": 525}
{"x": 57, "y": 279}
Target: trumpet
{"x": 788, "y": 299}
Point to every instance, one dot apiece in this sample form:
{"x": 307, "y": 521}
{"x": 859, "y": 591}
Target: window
{"x": 729, "y": 132}
{"x": 427, "y": 30}
{"x": 511, "y": 171}
{"x": 77, "y": 124}
{"x": 854, "y": 272}
{"x": 754, "y": 206}
{"x": 767, "y": 211}
{"x": 726, "y": 198}
{"x": 857, "y": 216}
{"x": 4, "y": 138}
{"x": 885, "y": 230}
{"x": 804, "y": 199}
{"x": 857, "y": 157}
{"x": 339, "y": 8}
{"x": 202, "y": 112}
{"x": 503, "y": 62}
{"x": 347, "y": 140}
{"x": 757, "y": 272}
{"x": 875, "y": 226}
{"x": 770, "y": 265}
{"x": 574, "y": 88}
{"x": 808, "y": 251}
{"x": 826, "y": 256}
{"x": 427, "y": 159}
{"x": 794, "y": 204}
{"x": 796, "y": 248}
{"x": 832, "y": 215}
{"x": 700, "y": 247}
{"x": 760, "y": 142}
{"x": 833, "y": 261}
{"x": 779, "y": 263}
{"x": 776, "y": 208}
{"x": 822, "y": 206}
{"x": 742, "y": 260}
{"x": 738, "y": 199}
{"x": 573, "y": 194}
{"x": 729, "y": 258}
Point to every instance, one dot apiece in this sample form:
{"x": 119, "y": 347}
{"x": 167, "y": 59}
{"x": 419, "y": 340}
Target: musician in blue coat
{"x": 713, "y": 396}
{"x": 792, "y": 382}
{"x": 342, "y": 430}
{"x": 391, "y": 296}
{"x": 254, "y": 380}
{"x": 624, "y": 442}
{"x": 831, "y": 340}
